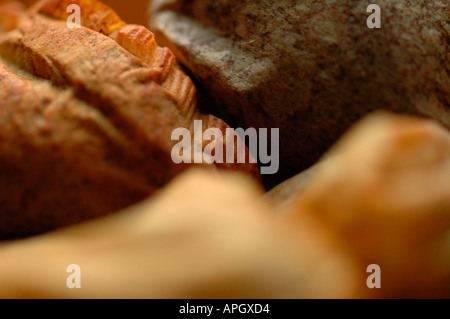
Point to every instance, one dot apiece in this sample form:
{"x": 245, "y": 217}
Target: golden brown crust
{"x": 134, "y": 38}
{"x": 85, "y": 118}
{"x": 94, "y": 14}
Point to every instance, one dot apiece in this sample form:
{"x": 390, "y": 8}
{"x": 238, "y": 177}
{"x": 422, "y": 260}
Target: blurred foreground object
{"x": 204, "y": 236}
{"x": 381, "y": 196}
{"x": 385, "y": 189}
{"x": 311, "y": 68}
{"x": 86, "y": 116}
{"x": 10, "y": 12}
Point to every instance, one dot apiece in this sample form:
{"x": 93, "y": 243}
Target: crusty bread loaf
{"x": 86, "y": 116}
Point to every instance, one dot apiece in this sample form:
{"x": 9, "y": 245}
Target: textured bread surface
{"x": 86, "y": 116}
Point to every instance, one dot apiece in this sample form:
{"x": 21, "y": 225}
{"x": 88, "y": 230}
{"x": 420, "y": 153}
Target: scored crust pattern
{"x": 86, "y": 115}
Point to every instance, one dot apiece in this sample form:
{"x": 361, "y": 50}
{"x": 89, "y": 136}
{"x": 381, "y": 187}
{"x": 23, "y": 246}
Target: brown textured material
{"x": 86, "y": 116}
{"x": 311, "y": 68}
{"x": 385, "y": 189}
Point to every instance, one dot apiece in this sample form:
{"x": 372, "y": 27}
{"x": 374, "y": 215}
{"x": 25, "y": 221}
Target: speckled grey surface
{"x": 311, "y": 68}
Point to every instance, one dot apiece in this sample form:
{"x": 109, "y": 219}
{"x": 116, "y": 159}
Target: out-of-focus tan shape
{"x": 287, "y": 192}
{"x": 385, "y": 189}
{"x": 204, "y": 236}
{"x": 10, "y": 12}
